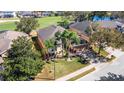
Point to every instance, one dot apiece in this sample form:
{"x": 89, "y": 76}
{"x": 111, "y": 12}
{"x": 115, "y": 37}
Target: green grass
{"x": 82, "y": 74}
{"x": 102, "y": 52}
{"x": 7, "y": 26}
{"x": 63, "y": 67}
{"x": 9, "y": 18}
{"x": 44, "y": 22}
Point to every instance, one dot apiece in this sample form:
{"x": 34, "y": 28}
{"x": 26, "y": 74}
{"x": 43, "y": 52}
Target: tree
{"x": 117, "y": 40}
{"x": 50, "y": 47}
{"x": 49, "y": 43}
{"x": 27, "y": 24}
{"x": 23, "y": 62}
{"x": 101, "y": 38}
{"x": 64, "y": 23}
{"x": 117, "y": 14}
{"x": 68, "y": 38}
{"x": 76, "y": 15}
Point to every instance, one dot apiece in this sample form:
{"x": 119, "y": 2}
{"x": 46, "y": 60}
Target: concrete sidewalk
{"x": 64, "y": 78}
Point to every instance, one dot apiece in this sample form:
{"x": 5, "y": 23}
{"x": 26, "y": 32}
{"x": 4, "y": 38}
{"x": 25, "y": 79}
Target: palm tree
{"x": 49, "y": 44}
{"x": 69, "y": 38}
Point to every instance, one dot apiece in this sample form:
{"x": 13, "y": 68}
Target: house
{"x": 7, "y": 14}
{"x": 107, "y": 24}
{"x": 80, "y": 28}
{"x": 36, "y": 14}
{"x": 25, "y": 14}
{"x": 6, "y": 38}
{"x": 48, "y": 33}
{"x": 46, "y": 13}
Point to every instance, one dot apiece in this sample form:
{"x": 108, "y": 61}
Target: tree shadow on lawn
{"x": 112, "y": 77}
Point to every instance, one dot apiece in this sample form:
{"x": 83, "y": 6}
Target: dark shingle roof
{"x": 6, "y": 38}
{"x": 4, "y": 45}
{"x": 106, "y": 24}
{"x": 49, "y": 32}
{"x": 81, "y": 26}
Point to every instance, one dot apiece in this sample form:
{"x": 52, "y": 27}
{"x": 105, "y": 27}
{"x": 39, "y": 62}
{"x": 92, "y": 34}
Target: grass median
{"x": 82, "y": 74}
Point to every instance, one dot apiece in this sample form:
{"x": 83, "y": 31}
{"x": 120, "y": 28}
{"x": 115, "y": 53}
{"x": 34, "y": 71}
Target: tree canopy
{"x": 107, "y": 37}
{"x": 27, "y": 24}
{"x": 23, "y": 62}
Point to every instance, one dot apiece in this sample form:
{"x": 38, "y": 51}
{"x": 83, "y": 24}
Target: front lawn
{"x": 63, "y": 67}
{"x": 102, "y": 53}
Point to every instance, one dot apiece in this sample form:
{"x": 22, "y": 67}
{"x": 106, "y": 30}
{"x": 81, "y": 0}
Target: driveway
{"x": 117, "y": 67}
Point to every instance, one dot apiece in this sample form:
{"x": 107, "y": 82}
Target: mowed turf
{"x": 63, "y": 67}
{"x": 44, "y": 22}
{"x": 7, "y": 26}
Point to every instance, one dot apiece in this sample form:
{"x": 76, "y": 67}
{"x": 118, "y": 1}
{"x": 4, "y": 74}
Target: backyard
{"x": 44, "y": 22}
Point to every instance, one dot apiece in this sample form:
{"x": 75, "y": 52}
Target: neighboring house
{"x": 46, "y": 13}
{"x": 25, "y": 14}
{"x": 35, "y": 14}
{"x": 119, "y": 26}
{"x": 6, "y": 38}
{"x": 48, "y": 33}
{"x": 80, "y": 28}
{"x": 107, "y": 24}
{"x": 7, "y": 14}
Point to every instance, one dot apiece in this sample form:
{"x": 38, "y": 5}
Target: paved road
{"x": 117, "y": 67}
